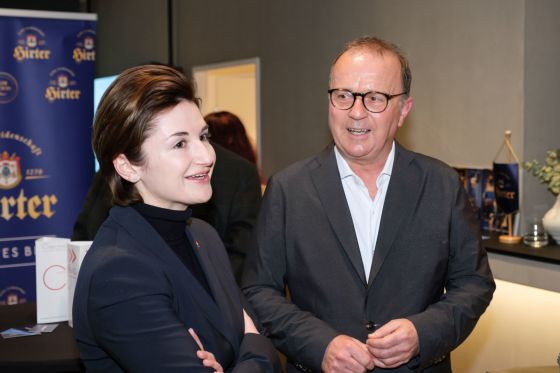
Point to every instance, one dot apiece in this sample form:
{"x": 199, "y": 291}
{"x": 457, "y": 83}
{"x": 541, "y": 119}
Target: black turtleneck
{"x": 171, "y": 226}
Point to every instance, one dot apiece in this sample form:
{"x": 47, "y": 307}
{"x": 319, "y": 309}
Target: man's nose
{"x": 358, "y": 110}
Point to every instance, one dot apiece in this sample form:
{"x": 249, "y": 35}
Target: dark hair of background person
{"x": 379, "y": 46}
{"x": 227, "y": 130}
{"x": 125, "y": 117}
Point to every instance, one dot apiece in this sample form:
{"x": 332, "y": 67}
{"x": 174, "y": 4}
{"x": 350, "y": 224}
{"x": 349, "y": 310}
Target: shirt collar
{"x": 345, "y": 170}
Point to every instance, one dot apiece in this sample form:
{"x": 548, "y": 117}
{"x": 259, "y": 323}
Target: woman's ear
{"x": 126, "y": 169}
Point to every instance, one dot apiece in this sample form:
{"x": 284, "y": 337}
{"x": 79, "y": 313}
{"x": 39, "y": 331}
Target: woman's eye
{"x": 205, "y": 136}
{"x": 180, "y": 144}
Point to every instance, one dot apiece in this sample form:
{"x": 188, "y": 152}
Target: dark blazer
{"x": 135, "y": 300}
{"x": 428, "y": 266}
{"x": 232, "y": 210}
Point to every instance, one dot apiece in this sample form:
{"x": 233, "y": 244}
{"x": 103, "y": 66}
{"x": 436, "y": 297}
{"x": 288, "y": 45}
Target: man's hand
{"x": 394, "y": 344}
{"x": 346, "y": 354}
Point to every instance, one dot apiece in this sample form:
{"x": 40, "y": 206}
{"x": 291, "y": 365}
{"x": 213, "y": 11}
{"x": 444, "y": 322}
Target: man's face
{"x": 362, "y": 137}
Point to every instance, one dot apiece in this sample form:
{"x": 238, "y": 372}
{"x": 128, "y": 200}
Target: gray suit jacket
{"x": 429, "y": 265}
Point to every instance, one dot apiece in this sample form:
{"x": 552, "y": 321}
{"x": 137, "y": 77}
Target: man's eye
{"x": 375, "y": 98}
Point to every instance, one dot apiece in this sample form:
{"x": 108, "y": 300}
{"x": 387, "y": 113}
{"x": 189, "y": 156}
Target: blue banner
{"x": 47, "y": 66}
{"x": 506, "y": 181}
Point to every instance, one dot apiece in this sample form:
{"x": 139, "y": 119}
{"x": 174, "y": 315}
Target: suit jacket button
{"x": 370, "y": 326}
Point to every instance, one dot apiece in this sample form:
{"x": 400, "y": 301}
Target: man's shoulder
{"x": 303, "y": 167}
{"x": 425, "y": 162}
{"x": 232, "y": 169}
{"x": 231, "y": 159}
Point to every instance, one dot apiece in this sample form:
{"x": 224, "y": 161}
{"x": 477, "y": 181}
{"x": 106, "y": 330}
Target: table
{"x": 547, "y": 254}
{"x": 49, "y": 352}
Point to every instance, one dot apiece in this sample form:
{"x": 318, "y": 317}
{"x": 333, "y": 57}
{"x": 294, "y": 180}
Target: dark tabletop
{"x": 547, "y": 254}
{"x": 49, "y": 352}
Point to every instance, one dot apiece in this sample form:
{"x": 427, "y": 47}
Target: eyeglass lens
{"x": 373, "y": 101}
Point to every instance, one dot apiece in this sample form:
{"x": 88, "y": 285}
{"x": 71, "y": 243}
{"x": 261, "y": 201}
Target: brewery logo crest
{"x": 31, "y": 45}
{"x": 10, "y": 171}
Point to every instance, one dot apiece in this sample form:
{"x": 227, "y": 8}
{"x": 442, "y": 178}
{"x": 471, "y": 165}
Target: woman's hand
{"x": 208, "y": 358}
{"x": 249, "y": 324}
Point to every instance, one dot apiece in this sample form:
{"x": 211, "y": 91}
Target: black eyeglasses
{"x": 375, "y": 102}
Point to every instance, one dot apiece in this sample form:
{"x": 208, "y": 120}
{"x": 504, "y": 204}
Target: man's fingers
{"x": 394, "y": 344}
{"x": 346, "y": 354}
{"x": 389, "y": 363}
{"x": 363, "y": 357}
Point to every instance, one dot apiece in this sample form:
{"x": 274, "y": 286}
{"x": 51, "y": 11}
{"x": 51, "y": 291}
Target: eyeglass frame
{"x": 362, "y": 95}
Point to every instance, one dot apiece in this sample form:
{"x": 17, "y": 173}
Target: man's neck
{"x": 368, "y": 170}
{"x": 368, "y": 173}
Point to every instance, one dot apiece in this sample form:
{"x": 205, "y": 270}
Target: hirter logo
{"x": 10, "y": 171}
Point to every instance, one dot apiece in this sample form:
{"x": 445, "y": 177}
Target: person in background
{"x": 228, "y": 131}
{"x": 378, "y": 246}
{"x": 155, "y": 292}
{"x": 232, "y": 210}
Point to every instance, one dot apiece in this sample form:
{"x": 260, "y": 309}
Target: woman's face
{"x": 178, "y": 160}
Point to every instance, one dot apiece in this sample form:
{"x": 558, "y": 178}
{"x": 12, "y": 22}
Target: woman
{"x": 155, "y": 292}
{"x": 228, "y": 131}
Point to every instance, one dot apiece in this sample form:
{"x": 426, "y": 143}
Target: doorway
{"x": 233, "y": 86}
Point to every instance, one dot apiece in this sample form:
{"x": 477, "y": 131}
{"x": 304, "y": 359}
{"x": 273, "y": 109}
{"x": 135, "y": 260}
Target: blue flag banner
{"x": 506, "y": 186}
{"x": 47, "y": 66}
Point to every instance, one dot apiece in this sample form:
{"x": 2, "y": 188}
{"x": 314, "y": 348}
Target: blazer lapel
{"x": 151, "y": 241}
{"x": 403, "y": 191}
{"x": 223, "y": 299}
{"x": 326, "y": 179}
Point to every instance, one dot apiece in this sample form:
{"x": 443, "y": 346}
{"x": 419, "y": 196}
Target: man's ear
{"x": 125, "y": 169}
{"x": 405, "y": 109}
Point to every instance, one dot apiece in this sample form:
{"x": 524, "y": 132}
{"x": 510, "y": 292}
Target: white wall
{"x": 232, "y": 88}
{"x": 467, "y": 75}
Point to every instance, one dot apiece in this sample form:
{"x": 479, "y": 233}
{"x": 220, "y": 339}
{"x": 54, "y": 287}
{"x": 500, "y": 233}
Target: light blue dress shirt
{"x": 366, "y": 213}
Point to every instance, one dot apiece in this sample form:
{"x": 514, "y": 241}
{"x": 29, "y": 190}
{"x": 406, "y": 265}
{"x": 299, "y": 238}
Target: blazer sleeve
{"x": 130, "y": 314}
{"x": 469, "y": 286}
{"x": 257, "y": 354}
{"x": 293, "y": 331}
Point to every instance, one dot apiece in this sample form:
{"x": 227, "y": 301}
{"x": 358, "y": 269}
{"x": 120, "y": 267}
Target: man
{"x": 232, "y": 210}
{"x": 377, "y": 246}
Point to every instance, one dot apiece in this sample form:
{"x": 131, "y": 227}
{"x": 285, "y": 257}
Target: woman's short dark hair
{"x": 227, "y": 130}
{"x": 125, "y": 117}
